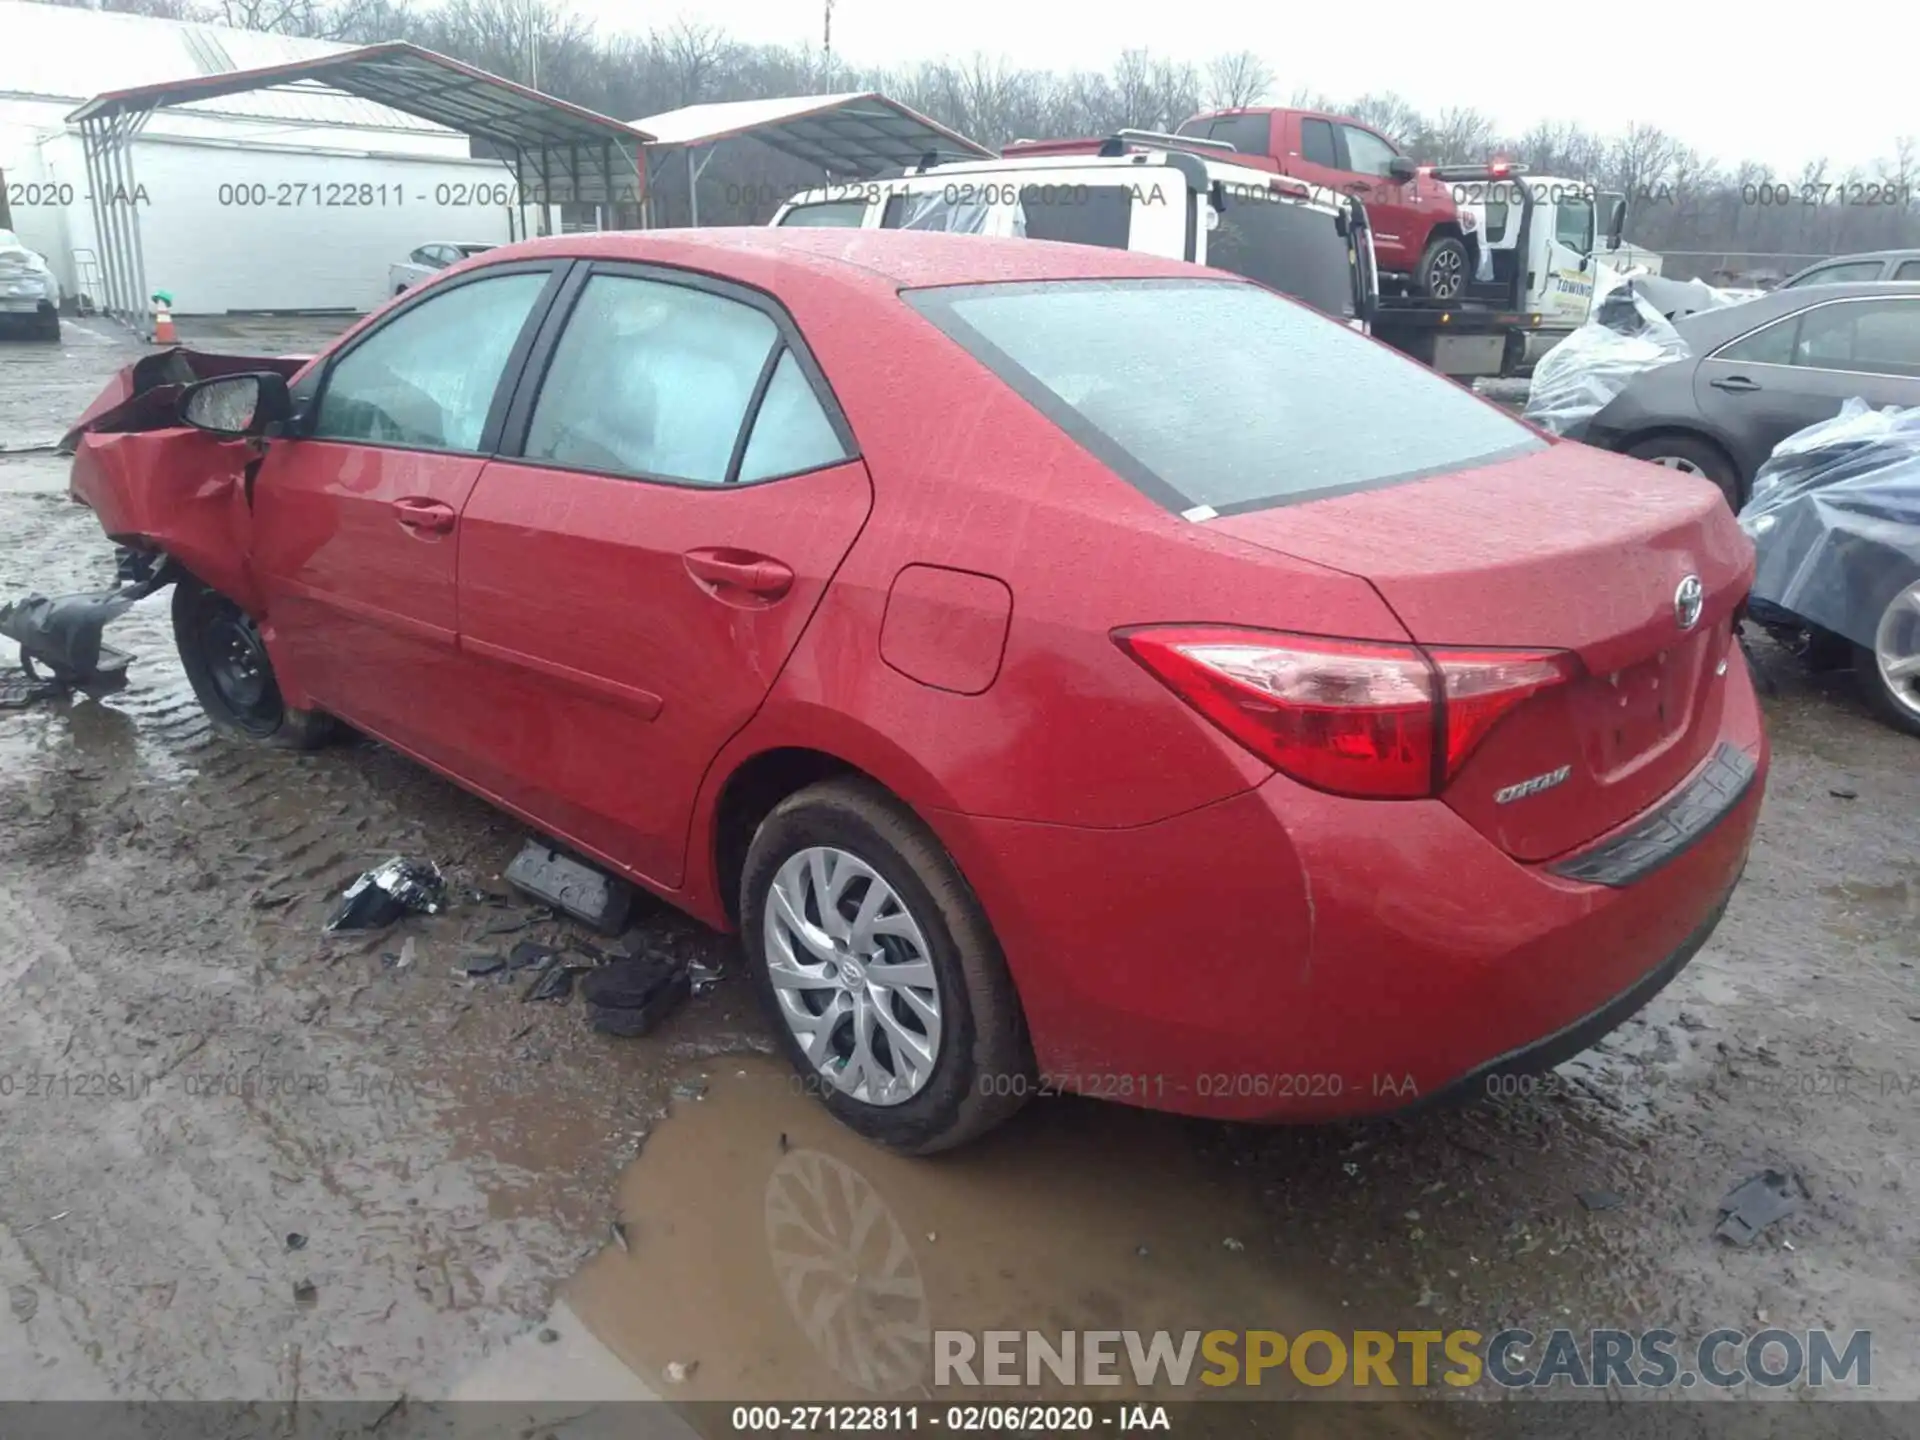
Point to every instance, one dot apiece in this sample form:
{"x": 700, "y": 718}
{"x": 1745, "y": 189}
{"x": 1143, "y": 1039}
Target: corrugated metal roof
{"x": 66, "y": 54}
{"x": 854, "y": 134}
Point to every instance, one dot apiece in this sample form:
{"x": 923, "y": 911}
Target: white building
{"x": 268, "y": 200}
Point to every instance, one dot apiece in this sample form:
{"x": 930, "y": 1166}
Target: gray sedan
{"x": 1761, "y": 370}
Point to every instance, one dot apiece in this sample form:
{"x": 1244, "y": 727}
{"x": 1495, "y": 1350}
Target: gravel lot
{"x": 196, "y": 1073}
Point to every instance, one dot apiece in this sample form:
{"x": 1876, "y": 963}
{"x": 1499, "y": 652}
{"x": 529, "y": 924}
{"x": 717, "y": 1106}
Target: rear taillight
{"x": 1355, "y": 717}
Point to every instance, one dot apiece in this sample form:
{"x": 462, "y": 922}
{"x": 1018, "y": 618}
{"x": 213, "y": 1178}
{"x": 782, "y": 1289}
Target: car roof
{"x": 771, "y": 257}
{"x": 1882, "y": 255}
{"x": 1705, "y": 329}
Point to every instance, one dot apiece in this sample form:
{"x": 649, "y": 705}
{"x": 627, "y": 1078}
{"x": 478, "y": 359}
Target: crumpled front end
{"x": 156, "y": 485}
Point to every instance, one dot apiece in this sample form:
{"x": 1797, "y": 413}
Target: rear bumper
{"x": 1289, "y": 955}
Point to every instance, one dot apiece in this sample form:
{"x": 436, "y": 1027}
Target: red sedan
{"x": 1065, "y": 669}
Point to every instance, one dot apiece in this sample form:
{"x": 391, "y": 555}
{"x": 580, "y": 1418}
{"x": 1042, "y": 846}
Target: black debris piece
{"x": 506, "y": 925}
{"x": 305, "y": 1292}
{"x": 59, "y": 636}
{"x": 547, "y": 1337}
{"x": 17, "y": 692}
{"x": 528, "y": 953}
{"x": 631, "y": 997}
{"x": 590, "y": 954}
{"x": 1602, "y": 1199}
{"x": 382, "y": 895}
{"x": 554, "y": 982}
{"x": 572, "y": 887}
{"x": 477, "y": 965}
{"x": 1842, "y": 792}
{"x": 1755, "y": 1203}
{"x": 296, "y": 1241}
{"x": 704, "y": 977}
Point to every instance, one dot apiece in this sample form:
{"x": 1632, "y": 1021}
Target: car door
{"x": 674, "y": 493}
{"x": 355, "y": 518}
{"x": 1761, "y": 387}
{"x": 1393, "y": 206}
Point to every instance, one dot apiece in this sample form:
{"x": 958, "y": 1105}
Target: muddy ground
{"x": 241, "y": 1160}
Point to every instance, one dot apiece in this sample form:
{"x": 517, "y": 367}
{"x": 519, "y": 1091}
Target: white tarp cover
{"x": 1623, "y": 338}
{"x": 1835, "y": 519}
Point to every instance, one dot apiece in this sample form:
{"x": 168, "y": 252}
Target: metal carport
{"x": 558, "y": 152}
{"x": 851, "y": 137}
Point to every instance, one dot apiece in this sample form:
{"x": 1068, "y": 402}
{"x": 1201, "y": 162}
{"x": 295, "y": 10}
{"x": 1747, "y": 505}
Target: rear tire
{"x": 980, "y": 1065}
{"x": 1446, "y": 266}
{"x": 1694, "y": 457}
{"x": 47, "y": 326}
{"x": 227, "y": 665}
{"x": 1895, "y": 699}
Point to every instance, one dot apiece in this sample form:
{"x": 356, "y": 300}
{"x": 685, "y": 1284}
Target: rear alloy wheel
{"x": 1692, "y": 457}
{"x": 232, "y": 677}
{"x": 882, "y": 977}
{"x": 1889, "y": 672}
{"x": 1444, "y": 268}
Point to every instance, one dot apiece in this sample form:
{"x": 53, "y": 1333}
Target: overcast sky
{"x": 1732, "y": 80}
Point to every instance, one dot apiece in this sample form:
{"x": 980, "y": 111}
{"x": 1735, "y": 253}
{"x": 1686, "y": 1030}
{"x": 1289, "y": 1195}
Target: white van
{"x": 1160, "y": 195}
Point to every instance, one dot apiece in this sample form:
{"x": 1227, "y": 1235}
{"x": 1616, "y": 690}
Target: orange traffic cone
{"x": 163, "y": 331}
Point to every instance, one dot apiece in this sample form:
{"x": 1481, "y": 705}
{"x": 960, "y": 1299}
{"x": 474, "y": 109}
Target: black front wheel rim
{"x": 238, "y": 666}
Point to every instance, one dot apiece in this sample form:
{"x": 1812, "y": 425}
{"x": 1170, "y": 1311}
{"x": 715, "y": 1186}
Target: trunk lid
{"x": 1567, "y": 549}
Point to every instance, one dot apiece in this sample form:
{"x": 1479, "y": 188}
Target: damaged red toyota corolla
{"x": 1053, "y": 661}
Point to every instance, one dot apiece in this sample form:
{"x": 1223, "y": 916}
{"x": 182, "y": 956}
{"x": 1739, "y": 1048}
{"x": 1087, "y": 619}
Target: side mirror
{"x": 236, "y": 405}
{"x": 1402, "y": 169}
{"x": 1616, "y": 221}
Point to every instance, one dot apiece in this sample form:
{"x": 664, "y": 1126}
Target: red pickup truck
{"x": 1418, "y": 238}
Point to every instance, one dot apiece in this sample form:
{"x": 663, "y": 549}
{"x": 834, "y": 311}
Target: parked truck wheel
{"x": 1445, "y": 268}
{"x": 227, "y": 665}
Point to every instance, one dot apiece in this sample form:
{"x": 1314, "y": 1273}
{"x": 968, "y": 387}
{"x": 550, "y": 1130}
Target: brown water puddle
{"x": 772, "y": 1254}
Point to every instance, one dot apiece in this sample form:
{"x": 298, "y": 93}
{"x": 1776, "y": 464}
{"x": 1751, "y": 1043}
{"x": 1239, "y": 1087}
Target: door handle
{"x": 1735, "y": 384}
{"x": 1356, "y": 187}
{"x": 717, "y": 568}
{"x": 417, "y": 512}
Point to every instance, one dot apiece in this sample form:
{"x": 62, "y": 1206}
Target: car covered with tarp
{"x": 1835, "y": 522}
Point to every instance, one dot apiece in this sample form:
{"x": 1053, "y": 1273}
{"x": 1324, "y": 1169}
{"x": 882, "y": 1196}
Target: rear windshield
{"x": 1219, "y": 394}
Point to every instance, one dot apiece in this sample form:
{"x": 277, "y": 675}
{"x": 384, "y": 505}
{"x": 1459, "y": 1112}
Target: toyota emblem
{"x": 1687, "y": 602}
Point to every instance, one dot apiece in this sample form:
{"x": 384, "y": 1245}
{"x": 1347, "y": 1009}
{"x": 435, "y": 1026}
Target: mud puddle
{"x": 768, "y": 1253}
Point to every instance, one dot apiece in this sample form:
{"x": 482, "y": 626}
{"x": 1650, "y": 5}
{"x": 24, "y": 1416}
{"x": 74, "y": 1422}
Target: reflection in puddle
{"x": 771, "y": 1254}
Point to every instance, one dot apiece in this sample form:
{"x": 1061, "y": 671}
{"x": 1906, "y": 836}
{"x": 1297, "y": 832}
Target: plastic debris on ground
{"x": 1834, "y": 516}
{"x": 571, "y": 886}
{"x": 631, "y": 997}
{"x": 1623, "y": 339}
{"x": 553, "y": 982}
{"x": 1755, "y": 1203}
{"x": 382, "y": 895}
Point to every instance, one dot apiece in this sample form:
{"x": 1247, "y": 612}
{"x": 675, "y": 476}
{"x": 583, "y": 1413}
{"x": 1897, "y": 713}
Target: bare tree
{"x": 1237, "y": 79}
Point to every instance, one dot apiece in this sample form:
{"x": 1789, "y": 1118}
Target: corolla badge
{"x": 1687, "y": 602}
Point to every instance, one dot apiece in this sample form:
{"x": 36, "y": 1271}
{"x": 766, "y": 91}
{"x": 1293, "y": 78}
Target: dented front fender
{"x": 180, "y": 491}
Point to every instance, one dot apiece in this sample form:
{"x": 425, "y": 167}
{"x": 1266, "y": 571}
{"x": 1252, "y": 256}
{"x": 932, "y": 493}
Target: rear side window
{"x": 1219, "y": 394}
{"x": 1292, "y": 247}
{"x": 650, "y": 380}
{"x": 1249, "y": 134}
{"x": 961, "y": 209}
{"x": 791, "y": 432}
{"x": 1909, "y": 270}
{"x": 1873, "y": 337}
{"x": 1316, "y": 143}
{"x": 830, "y": 214}
{"x": 1078, "y": 214}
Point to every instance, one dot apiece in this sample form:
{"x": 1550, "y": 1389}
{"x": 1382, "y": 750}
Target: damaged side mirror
{"x": 236, "y": 405}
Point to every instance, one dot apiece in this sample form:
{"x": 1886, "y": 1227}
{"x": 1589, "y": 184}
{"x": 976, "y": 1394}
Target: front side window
{"x": 426, "y": 379}
{"x": 1573, "y": 225}
{"x": 1219, "y": 393}
{"x": 1367, "y": 152}
{"x": 1769, "y": 345}
{"x": 651, "y": 380}
{"x": 828, "y": 215}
